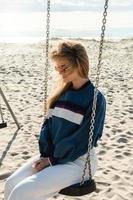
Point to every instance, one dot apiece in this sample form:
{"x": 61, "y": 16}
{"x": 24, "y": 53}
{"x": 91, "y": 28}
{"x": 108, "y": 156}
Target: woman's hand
{"x": 40, "y": 164}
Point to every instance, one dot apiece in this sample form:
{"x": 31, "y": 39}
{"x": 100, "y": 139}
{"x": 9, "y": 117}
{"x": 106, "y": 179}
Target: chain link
{"x": 91, "y": 128}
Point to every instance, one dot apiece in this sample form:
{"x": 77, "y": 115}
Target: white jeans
{"x": 24, "y": 185}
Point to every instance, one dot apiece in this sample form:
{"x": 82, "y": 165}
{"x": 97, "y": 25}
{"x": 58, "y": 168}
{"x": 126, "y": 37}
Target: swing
{"x": 88, "y": 186}
{"x": 3, "y": 124}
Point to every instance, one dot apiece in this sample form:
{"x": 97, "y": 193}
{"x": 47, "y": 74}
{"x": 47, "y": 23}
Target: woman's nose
{"x": 60, "y": 71}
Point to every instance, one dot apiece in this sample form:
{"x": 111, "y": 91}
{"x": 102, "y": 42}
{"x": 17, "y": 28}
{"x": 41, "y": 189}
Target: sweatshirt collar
{"x": 82, "y": 87}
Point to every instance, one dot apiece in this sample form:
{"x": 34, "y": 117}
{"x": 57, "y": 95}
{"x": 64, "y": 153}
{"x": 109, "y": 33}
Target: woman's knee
{"x": 21, "y": 192}
{"x": 16, "y": 193}
{"x": 25, "y": 191}
{"x": 9, "y": 185}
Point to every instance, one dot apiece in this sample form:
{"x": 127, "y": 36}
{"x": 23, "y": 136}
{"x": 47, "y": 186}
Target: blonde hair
{"x": 76, "y": 54}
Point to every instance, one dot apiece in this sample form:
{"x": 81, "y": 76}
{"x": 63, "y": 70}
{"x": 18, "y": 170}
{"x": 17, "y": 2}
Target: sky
{"x": 27, "y": 18}
{"x": 63, "y": 5}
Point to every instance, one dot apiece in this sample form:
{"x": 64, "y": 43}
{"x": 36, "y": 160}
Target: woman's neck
{"x": 76, "y": 84}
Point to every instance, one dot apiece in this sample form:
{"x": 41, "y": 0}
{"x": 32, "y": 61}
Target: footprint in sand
{"x": 25, "y": 157}
{"x": 122, "y": 140}
{"x": 14, "y": 154}
{"x": 5, "y": 175}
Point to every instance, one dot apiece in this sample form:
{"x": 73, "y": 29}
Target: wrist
{"x": 48, "y": 160}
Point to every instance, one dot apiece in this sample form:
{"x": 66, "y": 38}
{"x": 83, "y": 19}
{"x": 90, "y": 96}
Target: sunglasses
{"x": 63, "y": 68}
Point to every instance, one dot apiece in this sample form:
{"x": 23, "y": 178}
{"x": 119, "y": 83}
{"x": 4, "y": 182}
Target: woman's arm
{"x": 45, "y": 141}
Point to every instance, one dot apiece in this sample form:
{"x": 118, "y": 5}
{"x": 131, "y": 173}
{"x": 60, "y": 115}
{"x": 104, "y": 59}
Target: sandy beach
{"x": 22, "y": 81}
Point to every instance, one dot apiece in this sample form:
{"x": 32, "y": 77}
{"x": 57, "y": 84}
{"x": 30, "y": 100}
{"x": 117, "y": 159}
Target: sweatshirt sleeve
{"x": 45, "y": 141}
{"x": 75, "y": 145}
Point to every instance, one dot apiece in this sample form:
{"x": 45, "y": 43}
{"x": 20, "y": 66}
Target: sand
{"x": 22, "y": 81}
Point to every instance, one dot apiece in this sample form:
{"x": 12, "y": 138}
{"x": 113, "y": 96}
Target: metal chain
{"x": 91, "y": 128}
{"x": 47, "y": 57}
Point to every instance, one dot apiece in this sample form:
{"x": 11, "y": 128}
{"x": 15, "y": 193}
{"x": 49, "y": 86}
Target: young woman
{"x": 63, "y": 137}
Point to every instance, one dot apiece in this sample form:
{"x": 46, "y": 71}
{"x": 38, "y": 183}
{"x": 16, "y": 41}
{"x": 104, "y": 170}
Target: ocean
{"x": 31, "y": 27}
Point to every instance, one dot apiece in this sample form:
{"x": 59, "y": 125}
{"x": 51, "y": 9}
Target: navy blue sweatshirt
{"x": 64, "y": 133}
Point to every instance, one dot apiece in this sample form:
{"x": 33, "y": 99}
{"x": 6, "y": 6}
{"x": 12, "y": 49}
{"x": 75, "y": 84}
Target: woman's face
{"x": 64, "y": 68}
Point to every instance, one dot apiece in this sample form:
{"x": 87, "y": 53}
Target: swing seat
{"x": 3, "y": 125}
{"x": 79, "y": 190}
